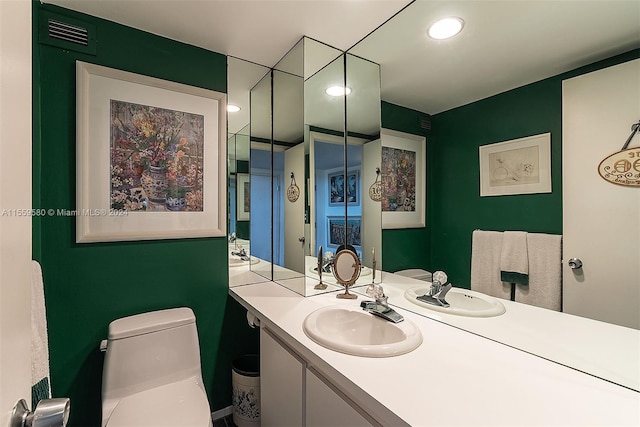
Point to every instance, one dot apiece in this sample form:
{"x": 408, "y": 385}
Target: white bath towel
{"x": 486, "y": 247}
{"x": 39, "y": 339}
{"x": 545, "y": 272}
{"x": 514, "y": 258}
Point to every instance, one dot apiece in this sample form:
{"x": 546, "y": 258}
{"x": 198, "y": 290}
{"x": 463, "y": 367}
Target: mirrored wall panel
{"x": 245, "y": 259}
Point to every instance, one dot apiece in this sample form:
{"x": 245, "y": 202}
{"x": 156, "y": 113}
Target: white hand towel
{"x": 486, "y": 247}
{"x": 39, "y": 339}
{"x": 514, "y": 258}
{"x": 545, "y": 272}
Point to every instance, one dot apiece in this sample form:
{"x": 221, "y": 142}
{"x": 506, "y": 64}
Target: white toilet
{"x": 152, "y": 374}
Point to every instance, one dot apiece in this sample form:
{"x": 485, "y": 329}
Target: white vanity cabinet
{"x": 293, "y": 395}
{"x": 281, "y": 383}
{"x": 324, "y": 406}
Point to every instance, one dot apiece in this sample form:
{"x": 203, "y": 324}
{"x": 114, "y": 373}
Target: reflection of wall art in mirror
{"x": 403, "y": 178}
{"x": 141, "y": 170}
{"x": 336, "y": 231}
{"x": 398, "y": 180}
{"x": 375, "y": 190}
{"x": 337, "y": 188}
{"x": 519, "y": 166}
{"x": 293, "y": 191}
{"x": 243, "y": 195}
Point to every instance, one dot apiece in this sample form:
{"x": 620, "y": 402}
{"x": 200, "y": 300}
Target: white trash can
{"x": 245, "y": 384}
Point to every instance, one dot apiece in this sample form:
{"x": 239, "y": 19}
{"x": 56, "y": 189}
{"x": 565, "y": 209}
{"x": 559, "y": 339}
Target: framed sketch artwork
{"x": 150, "y": 158}
{"x": 518, "y": 166}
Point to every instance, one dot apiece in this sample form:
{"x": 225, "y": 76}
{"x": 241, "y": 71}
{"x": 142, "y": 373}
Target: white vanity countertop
{"x": 453, "y": 378}
{"x": 599, "y": 348}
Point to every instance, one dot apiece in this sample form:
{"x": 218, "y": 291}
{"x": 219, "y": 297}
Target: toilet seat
{"x": 180, "y": 404}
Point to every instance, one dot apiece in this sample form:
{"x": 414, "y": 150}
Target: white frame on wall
{"x": 517, "y": 166}
{"x": 417, "y": 144}
{"x": 95, "y": 221}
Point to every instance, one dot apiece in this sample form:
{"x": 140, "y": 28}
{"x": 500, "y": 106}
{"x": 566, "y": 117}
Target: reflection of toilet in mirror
{"x": 152, "y": 373}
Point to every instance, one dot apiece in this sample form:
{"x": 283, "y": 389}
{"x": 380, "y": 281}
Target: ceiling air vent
{"x": 71, "y": 33}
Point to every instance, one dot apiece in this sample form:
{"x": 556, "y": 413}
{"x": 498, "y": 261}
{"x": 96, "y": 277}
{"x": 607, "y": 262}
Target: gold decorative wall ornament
{"x": 623, "y": 167}
{"x": 293, "y": 192}
{"x": 375, "y": 191}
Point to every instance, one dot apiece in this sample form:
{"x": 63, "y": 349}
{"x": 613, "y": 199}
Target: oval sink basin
{"x": 356, "y": 332}
{"x": 237, "y": 262}
{"x": 462, "y": 302}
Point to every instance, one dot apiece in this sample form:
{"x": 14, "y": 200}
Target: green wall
{"x": 454, "y": 188}
{"x": 89, "y": 285}
{"x": 407, "y": 248}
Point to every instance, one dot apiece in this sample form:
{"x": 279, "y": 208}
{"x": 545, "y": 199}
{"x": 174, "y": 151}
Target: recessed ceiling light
{"x": 338, "y": 90}
{"x": 233, "y": 108}
{"x": 445, "y": 28}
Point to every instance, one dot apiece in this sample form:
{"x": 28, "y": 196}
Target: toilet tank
{"x": 149, "y": 350}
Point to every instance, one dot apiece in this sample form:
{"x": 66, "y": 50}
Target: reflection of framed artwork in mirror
{"x": 337, "y": 230}
{"x": 338, "y": 186}
{"x": 403, "y": 171}
{"x": 243, "y": 197}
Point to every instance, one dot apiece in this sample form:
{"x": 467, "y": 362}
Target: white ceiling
{"x": 260, "y": 31}
{"x": 504, "y": 44}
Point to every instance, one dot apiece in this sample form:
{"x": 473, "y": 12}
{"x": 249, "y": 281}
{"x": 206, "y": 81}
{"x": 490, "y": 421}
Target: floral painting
{"x": 398, "y": 176}
{"x": 156, "y": 158}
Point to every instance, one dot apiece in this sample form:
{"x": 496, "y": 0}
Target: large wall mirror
{"x": 455, "y": 208}
{"x": 329, "y": 145}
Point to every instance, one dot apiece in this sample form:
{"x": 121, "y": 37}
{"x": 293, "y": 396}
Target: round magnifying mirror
{"x": 346, "y": 270}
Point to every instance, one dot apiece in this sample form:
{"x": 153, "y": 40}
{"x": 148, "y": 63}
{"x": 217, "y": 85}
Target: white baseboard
{"x": 221, "y": 413}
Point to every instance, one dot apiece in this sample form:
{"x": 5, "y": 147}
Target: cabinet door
{"x": 324, "y": 407}
{"x": 281, "y": 384}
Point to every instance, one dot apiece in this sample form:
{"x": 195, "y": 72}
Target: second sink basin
{"x": 356, "y": 332}
{"x": 237, "y": 262}
{"x": 463, "y": 302}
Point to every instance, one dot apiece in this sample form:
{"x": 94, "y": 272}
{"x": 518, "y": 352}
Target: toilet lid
{"x": 179, "y": 404}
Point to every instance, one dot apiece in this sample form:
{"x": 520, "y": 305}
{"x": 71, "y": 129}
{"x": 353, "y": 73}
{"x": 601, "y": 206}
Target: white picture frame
{"x": 415, "y": 146}
{"x": 96, "y": 219}
{"x": 518, "y": 166}
{"x": 243, "y": 197}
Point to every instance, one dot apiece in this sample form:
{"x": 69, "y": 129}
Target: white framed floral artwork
{"x": 150, "y": 158}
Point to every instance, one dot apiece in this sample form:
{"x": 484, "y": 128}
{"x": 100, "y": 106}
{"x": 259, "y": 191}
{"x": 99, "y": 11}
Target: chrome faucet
{"x": 380, "y": 306}
{"x": 438, "y": 290}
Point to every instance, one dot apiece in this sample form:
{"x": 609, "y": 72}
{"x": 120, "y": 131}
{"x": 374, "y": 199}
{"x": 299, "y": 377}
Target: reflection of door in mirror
{"x": 363, "y": 122}
{"x": 288, "y": 135}
{"x": 607, "y": 286}
{"x": 260, "y": 175}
